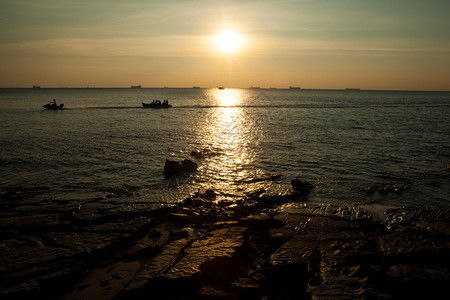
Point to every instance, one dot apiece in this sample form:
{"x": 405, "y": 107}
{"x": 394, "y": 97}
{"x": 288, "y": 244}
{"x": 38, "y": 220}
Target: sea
{"x": 358, "y": 148}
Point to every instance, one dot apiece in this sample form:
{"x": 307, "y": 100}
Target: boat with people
{"x": 53, "y": 106}
{"x": 157, "y": 104}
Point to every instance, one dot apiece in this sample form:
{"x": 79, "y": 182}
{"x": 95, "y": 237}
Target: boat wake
{"x": 271, "y": 106}
{"x": 101, "y": 107}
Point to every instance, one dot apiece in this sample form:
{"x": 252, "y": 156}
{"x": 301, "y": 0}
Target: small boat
{"x": 136, "y": 86}
{"x": 295, "y": 88}
{"x": 53, "y": 106}
{"x": 156, "y": 105}
{"x": 221, "y": 87}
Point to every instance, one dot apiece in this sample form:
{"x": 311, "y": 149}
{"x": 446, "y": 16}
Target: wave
{"x": 101, "y": 107}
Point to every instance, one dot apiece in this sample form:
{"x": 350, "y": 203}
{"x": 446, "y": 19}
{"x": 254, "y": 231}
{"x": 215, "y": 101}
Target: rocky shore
{"x": 208, "y": 249}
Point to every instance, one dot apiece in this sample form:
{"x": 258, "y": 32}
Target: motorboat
{"x": 156, "y": 104}
{"x": 53, "y": 106}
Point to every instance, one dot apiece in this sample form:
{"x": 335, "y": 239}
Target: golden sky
{"x": 395, "y": 44}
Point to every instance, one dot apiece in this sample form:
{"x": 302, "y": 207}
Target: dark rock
{"x": 412, "y": 248}
{"x": 208, "y": 292}
{"x": 416, "y": 281}
{"x": 107, "y": 282}
{"x": 205, "y": 153}
{"x": 301, "y": 187}
{"x": 172, "y": 168}
{"x": 255, "y": 194}
{"x": 197, "y": 154}
{"x": 415, "y": 273}
{"x": 287, "y": 281}
{"x": 246, "y": 287}
{"x": 370, "y": 190}
{"x": 191, "y": 202}
{"x": 267, "y": 200}
{"x": 209, "y": 195}
{"x": 274, "y": 176}
{"x": 260, "y": 221}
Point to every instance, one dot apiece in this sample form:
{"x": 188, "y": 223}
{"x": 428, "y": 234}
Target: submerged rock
{"x": 385, "y": 189}
{"x": 301, "y": 187}
{"x": 205, "y": 153}
{"x": 174, "y": 167}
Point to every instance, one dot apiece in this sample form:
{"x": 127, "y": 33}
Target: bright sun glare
{"x": 228, "y": 41}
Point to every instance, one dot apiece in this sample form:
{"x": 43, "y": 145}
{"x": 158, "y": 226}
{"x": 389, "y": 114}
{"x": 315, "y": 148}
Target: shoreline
{"x": 202, "y": 248}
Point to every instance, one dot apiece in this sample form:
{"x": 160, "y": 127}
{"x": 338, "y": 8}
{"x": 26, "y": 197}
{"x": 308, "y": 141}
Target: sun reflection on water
{"x": 228, "y": 97}
{"x": 229, "y": 131}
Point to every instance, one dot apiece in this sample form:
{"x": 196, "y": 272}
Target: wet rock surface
{"x": 208, "y": 249}
{"x": 172, "y": 168}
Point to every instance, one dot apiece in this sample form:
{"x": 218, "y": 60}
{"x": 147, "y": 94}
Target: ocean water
{"x": 105, "y": 147}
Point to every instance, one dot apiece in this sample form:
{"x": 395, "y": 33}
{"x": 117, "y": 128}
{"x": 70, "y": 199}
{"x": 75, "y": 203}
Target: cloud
{"x": 152, "y": 46}
{"x": 202, "y": 46}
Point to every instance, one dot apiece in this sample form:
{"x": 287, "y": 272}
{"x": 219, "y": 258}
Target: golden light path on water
{"x": 230, "y": 131}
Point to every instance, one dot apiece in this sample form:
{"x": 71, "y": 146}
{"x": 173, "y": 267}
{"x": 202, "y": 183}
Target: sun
{"x": 228, "y": 41}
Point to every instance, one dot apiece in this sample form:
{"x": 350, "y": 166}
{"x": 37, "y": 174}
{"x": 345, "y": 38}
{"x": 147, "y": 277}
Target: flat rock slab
{"x": 156, "y": 268}
{"x": 301, "y": 246}
{"x": 346, "y": 265}
{"x": 211, "y": 256}
{"x": 107, "y": 282}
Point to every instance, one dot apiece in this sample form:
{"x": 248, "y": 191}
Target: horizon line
{"x": 296, "y": 88}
